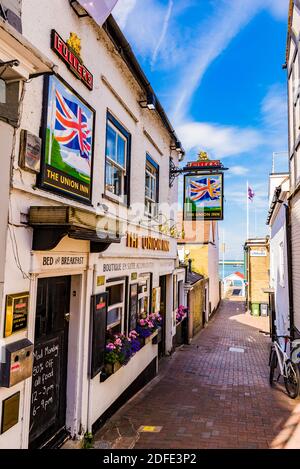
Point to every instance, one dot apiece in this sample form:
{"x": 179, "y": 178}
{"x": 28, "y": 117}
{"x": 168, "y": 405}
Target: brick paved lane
{"x": 207, "y": 396}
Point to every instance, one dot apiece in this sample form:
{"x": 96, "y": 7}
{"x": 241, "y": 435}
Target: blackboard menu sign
{"x": 133, "y": 306}
{"x": 45, "y": 385}
{"x": 99, "y": 323}
{"x": 16, "y": 313}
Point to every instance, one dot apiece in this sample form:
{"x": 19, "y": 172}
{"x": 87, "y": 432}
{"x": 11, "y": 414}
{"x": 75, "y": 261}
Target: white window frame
{"x": 152, "y": 201}
{"x": 115, "y": 164}
{"x": 120, "y": 305}
{"x": 145, "y": 294}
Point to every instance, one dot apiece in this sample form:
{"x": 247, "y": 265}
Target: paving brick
{"x": 208, "y": 397}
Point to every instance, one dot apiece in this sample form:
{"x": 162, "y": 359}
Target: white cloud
{"x": 122, "y": 10}
{"x": 279, "y": 8}
{"x": 238, "y": 170}
{"x": 163, "y": 33}
{"x": 219, "y": 141}
{"x": 275, "y": 116}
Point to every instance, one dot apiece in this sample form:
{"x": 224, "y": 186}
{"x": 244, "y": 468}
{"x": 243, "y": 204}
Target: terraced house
{"x": 88, "y": 222}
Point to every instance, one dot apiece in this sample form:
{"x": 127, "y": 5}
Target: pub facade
{"x": 89, "y": 253}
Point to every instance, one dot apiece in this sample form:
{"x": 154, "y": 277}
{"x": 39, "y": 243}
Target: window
{"x": 144, "y": 294}
{"x": 151, "y": 187}
{"x": 117, "y": 159}
{"x": 115, "y": 307}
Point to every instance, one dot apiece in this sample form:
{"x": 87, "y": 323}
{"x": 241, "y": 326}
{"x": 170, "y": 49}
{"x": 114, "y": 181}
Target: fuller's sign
{"x": 71, "y": 59}
{"x": 204, "y": 164}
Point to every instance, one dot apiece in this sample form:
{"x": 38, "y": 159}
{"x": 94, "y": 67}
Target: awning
{"x": 14, "y": 46}
{"x": 51, "y": 224}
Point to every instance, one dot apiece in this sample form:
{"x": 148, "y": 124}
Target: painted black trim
{"x": 43, "y": 132}
{"x": 127, "y": 135}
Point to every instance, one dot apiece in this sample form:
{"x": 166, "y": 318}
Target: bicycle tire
{"x": 273, "y": 361}
{"x": 292, "y": 380}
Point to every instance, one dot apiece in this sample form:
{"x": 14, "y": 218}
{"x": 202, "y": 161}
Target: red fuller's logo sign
{"x": 205, "y": 164}
{"x": 72, "y": 59}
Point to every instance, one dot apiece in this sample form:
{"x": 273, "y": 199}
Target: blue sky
{"x": 216, "y": 66}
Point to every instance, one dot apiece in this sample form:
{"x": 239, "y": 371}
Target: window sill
{"x": 115, "y": 201}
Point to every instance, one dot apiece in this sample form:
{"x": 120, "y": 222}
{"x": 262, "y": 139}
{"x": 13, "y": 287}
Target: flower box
{"x": 111, "y": 368}
{"x": 151, "y": 337}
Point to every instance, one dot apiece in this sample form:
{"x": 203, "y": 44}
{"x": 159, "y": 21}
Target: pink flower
{"x": 150, "y": 324}
{"x": 110, "y": 346}
{"x": 118, "y": 342}
{"x": 142, "y": 322}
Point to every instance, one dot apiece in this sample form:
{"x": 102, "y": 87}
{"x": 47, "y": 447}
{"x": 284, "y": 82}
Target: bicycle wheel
{"x": 273, "y": 365}
{"x": 292, "y": 379}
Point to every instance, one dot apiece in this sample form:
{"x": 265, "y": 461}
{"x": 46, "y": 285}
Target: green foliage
{"x": 58, "y": 163}
{"x": 88, "y": 440}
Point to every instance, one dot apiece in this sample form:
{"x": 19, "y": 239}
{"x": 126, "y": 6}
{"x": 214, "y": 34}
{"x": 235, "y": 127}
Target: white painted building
{"x": 232, "y": 282}
{"x": 84, "y": 234}
{"x": 293, "y": 75}
{"x": 279, "y": 245}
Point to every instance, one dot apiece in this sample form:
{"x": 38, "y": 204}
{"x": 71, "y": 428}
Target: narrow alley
{"x": 214, "y": 393}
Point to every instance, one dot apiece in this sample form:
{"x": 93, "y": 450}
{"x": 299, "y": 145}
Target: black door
{"x": 49, "y": 377}
{"x": 163, "y": 299}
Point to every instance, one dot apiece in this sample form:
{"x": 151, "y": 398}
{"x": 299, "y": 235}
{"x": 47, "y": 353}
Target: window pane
{"x": 111, "y": 143}
{"x": 113, "y": 316}
{"x": 114, "y": 177}
{"x": 115, "y": 294}
{"x": 121, "y": 151}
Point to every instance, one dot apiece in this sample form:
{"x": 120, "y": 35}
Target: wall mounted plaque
{"x": 30, "y": 151}
{"x": 10, "y": 412}
{"x": 16, "y": 313}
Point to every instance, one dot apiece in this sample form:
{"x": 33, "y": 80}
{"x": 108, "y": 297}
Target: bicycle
{"x": 288, "y": 367}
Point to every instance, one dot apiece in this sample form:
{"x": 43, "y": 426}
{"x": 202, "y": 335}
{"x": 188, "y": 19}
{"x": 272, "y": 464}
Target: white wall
{"x": 279, "y": 271}
{"x": 213, "y": 271}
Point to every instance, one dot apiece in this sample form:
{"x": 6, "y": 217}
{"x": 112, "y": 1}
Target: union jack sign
{"x": 203, "y": 197}
{"x": 68, "y": 142}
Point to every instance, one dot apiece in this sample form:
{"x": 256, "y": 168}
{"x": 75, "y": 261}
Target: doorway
{"x": 49, "y": 377}
{"x": 163, "y": 301}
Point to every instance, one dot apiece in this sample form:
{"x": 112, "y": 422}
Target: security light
{"x": 79, "y": 10}
{"x": 150, "y": 103}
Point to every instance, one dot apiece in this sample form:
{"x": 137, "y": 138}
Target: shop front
{"x": 139, "y": 285}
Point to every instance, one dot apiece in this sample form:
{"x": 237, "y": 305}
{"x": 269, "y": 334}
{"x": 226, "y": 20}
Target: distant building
{"x": 234, "y": 285}
{"x": 257, "y": 260}
{"x": 200, "y": 244}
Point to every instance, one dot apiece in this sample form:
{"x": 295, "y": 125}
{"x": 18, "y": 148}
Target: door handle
{"x": 67, "y": 317}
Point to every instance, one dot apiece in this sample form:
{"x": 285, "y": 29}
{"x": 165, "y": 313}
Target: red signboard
{"x": 61, "y": 48}
{"x": 204, "y": 164}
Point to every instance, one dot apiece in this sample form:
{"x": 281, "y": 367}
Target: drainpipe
{"x": 290, "y": 268}
{"x": 190, "y": 266}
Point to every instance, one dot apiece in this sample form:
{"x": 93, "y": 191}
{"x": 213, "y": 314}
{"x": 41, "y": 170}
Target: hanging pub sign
{"x": 203, "y": 196}
{"x": 69, "y": 52}
{"x": 67, "y": 163}
{"x": 16, "y": 313}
